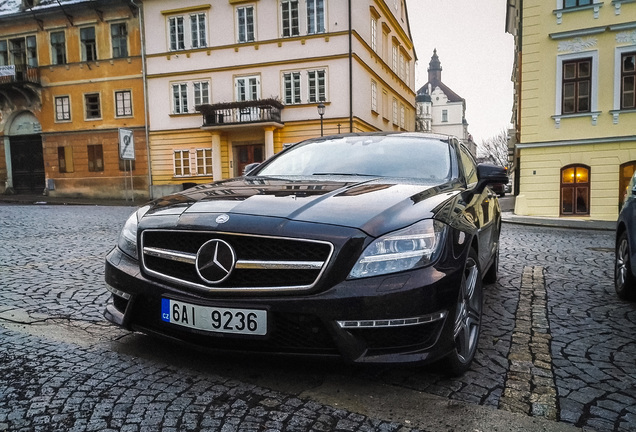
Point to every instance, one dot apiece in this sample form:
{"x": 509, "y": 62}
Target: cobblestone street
{"x": 557, "y": 350}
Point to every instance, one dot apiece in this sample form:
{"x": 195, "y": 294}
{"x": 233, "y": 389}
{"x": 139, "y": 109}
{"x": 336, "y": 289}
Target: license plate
{"x": 214, "y": 319}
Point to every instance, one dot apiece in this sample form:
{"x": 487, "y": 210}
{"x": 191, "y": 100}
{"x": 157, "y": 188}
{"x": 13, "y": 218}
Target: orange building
{"x": 71, "y": 96}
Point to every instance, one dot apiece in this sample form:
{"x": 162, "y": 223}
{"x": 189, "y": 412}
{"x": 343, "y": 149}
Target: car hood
{"x": 375, "y": 206}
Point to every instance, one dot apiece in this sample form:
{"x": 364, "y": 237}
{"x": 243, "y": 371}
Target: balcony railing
{"x": 19, "y": 74}
{"x": 232, "y": 113}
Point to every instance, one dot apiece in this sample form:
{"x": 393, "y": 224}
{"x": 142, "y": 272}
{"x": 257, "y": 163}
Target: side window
{"x": 469, "y": 166}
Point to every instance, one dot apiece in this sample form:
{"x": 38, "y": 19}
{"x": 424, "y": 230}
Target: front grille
{"x": 261, "y": 263}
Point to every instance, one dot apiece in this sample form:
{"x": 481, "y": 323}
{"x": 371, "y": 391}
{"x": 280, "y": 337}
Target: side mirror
{"x": 250, "y": 167}
{"x": 491, "y": 174}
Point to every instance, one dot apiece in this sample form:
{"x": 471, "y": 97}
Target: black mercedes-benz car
{"x": 370, "y": 247}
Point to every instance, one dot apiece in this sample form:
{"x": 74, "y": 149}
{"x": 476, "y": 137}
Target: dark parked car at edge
{"x": 625, "y": 246}
{"x": 367, "y": 247}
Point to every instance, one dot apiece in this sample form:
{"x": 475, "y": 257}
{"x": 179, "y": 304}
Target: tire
{"x": 466, "y": 319}
{"x": 490, "y": 277}
{"x": 624, "y": 280}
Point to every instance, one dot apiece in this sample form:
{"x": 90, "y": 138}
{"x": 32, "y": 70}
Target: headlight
{"x": 412, "y": 247}
{"x": 128, "y": 236}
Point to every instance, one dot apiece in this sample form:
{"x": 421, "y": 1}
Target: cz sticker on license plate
{"x": 214, "y": 319}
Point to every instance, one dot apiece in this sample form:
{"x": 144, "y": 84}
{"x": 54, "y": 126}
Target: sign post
{"x": 127, "y": 153}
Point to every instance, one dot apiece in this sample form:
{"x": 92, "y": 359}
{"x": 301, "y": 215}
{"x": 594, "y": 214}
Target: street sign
{"x": 126, "y": 144}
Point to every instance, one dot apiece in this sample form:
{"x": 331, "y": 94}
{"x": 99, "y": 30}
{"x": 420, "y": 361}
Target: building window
{"x": 575, "y": 190}
{"x": 177, "y": 38}
{"x": 4, "y": 53}
{"x": 58, "y": 48}
{"x": 374, "y": 34}
{"x": 394, "y": 58}
{"x": 247, "y": 88}
{"x": 317, "y": 86}
{"x": 291, "y": 84}
{"x": 89, "y": 47}
{"x": 197, "y": 30}
{"x": 201, "y": 93}
{"x": 628, "y": 80}
{"x": 576, "y": 3}
{"x": 204, "y": 161}
{"x": 374, "y": 96}
{"x": 95, "y": 158}
{"x": 315, "y": 16}
{"x": 289, "y": 11}
{"x": 181, "y": 163}
{"x": 119, "y": 37}
{"x": 62, "y": 108}
{"x": 577, "y": 86}
{"x": 123, "y": 103}
{"x": 402, "y": 115}
{"x": 65, "y": 159}
{"x": 179, "y": 98}
{"x": 91, "y": 102}
{"x": 395, "y": 111}
{"x": 245, "y": 23}
{"x": 444, "y": 116}
{"x": 31, "y": 51}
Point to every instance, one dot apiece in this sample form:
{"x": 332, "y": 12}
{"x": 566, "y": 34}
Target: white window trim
{"x": 318, "y": 98}
{"x": 374, "y": 34}
{"x": 282, "y": 19}
{"x": 196, "y": 163}
{"x": 185, "y": 109}
{"x": 254, "y": 21}
{"x": 194, "y": 94}
{"x": 296, "y": 91}
{"x": 174, "y": 165}
{"x": 560, "y": 59}
{"x": 374, "y": 96}
{"x": 617, "y": 75}
{"x": 101, "y": 112}
{"x": 205, "y": 30}
{"x": 247, "y": 78}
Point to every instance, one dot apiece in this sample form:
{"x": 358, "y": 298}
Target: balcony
{"x": 19, "y": 74}
{"x": 229, "y": 114}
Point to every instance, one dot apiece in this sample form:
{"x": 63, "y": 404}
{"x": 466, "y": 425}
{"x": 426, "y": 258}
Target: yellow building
{"x": 230, "y": 83}
{"x": 71, "y": 89}
{"x": 576, "y": 106}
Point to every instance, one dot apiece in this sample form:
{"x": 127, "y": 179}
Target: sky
{"x": 476, "y": 56}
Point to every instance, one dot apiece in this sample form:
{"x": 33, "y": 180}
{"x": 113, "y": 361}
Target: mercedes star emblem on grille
{"x": 215, "y": 261}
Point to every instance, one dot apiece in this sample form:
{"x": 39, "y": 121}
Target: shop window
{"x": 575, "y": 190}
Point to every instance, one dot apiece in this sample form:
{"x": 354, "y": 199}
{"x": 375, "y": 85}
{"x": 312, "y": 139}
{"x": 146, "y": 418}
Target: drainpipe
{"x": 350, "y": 72}
{"x": 145, "y": 86}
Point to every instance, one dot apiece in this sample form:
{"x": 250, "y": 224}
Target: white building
{"x": 440, "y": 109}
{"x": 229, "y": 83}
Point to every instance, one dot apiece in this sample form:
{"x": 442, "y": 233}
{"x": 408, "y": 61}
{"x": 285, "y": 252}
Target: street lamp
{"x": 321, "y": 112}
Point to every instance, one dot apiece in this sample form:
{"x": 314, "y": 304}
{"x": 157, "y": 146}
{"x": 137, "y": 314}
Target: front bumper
{"x": 403, "y": 317}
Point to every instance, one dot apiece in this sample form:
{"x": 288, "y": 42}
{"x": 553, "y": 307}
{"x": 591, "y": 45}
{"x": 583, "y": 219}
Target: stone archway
{"x": 24, "y": 155}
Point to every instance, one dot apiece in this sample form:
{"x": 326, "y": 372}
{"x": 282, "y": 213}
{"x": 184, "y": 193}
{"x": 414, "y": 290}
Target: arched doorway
{"x": 575, "y": 190}
{"x": 25, "y": 167}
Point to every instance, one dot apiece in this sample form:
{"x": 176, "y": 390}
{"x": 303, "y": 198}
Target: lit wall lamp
{"x": 321, "y": 112}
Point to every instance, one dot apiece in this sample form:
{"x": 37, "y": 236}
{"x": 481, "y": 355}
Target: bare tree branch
{"x": 495, "y": 149}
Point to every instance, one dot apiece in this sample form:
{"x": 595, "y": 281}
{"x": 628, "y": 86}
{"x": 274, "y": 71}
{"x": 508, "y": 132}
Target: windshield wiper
{"x": 343, "y": 174}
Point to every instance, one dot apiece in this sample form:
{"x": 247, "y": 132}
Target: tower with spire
{"x": 439, "y": 109}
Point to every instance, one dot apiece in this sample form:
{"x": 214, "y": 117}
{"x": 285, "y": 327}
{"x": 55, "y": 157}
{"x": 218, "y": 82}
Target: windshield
{"x": 380, "y": 155}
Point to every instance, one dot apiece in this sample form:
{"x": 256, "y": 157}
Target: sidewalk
{"x": 566, "y": 222}
{"x": 48, "y": 200}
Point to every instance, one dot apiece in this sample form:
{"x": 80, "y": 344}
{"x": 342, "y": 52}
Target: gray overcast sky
{"x": 476, "y": 55}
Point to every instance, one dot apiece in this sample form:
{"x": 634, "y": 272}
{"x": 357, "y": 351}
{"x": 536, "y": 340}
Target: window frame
{"x": 176, "y": 33}
{"x": 290, "y": 24}
{"x": 55, "y": 46}
{"x": 374, "y": 96}
{"x": 207, "y": 161}
{"x": 317, "y": 92}
{"x": 123, "y": 104}
{"x": 622, "y": 75}
{"x": 184, "y": 158}
{"x": 65, "y": 159}
{"x": 60, "y": 114}
{"x": 119, "y": 39}
{"x": 198, "y": 35}
{"x": 561, "y": 59}
{"x": 87, "y": 46}
{"x": 292, "y": 88}
{"x": 4, "y": 52}
{"x": 251, "y": 85}
{"x": 203, "y": 90}
{"x": 316, "y": 14}
{"x": 179, "y": 98}
{"x": 575, "y": 186}
{"x": 94, "y": 106}
{"x": 246, "y": 30}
